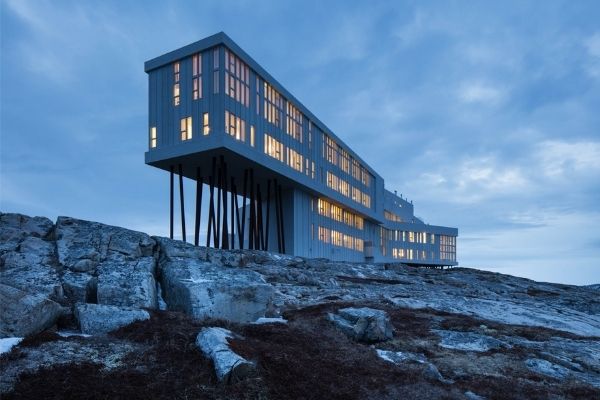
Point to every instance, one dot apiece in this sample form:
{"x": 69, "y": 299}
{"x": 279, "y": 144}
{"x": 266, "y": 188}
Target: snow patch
{"x": 6, "y": 344}
{"x": 72, "y": 333}
{"x": 265, "y": 320}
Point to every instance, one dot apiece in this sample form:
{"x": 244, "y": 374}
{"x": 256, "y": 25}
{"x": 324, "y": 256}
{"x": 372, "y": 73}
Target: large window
{"x": 153, "y": 137}
{"x": 294, "y": 159}
{"x": 185, "y": 127}
{"x": 273, "y": 147}
{"x": 197, "y": 76}
{"x": 294, "y": 122}
{"x": 336, "y": 155}
{"x": 237, "y": 78}
{"x": 447, "y": 247}
{"x": 235, "y": 126}
{"x": 176, "y": 88}
{"x": 340, "y": 239}
{"x": 329, "y": 210}
{"x": 390, "y": 216}
{"x": 273, "y": 106}
{"x": 216, "y": 70}
{"x": 342, "y": 186}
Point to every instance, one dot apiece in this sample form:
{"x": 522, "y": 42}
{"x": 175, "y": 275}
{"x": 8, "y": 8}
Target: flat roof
{"x": 222, "y": 39}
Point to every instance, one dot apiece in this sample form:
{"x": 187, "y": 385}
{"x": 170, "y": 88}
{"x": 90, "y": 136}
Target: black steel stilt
{"x": 171, "y": 201}
{"x": 282, "y": 224}
{"x": 251, "y": 228}
{"x": 218, "y": 216}
{"x": 232, "y": 232}
{"x": 243, "y": 231}
{"x": 259, "y": 217}
{"x": 268, "y": 213}
{"x": 277, "y": 218}
{"x": 199, "y": 185}
{"x": 237, "y": 218}
{"x": 181, "y": 201}
{"x": 225, "y": 238}
{"x": 211, "y": 209}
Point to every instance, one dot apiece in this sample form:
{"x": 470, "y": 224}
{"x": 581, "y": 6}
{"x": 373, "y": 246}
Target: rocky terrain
{"x": 96, "y": 311}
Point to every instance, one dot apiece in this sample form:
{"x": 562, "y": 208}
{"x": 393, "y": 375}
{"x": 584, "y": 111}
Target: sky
{"x": 485, "y": 114}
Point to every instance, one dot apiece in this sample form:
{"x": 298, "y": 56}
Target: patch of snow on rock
{"x": 6, "y": 344}
{"x": 266, "y": 320}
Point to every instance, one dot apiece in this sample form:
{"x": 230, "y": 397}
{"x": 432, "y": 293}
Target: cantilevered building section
{"x": 276, "y": 177}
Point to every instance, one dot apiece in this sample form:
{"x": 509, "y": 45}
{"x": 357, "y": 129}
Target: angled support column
{"x": 259, "y": 215}
{"x": 252, "y": 227}
{"x": 268, "y": 213}
{"x": 211, "y": 210}
{"x": 217, "y": 243}
{"x": 240, "y": 228}
{"x": 199, "y": 184}
{"x": 225, "y": 233}
{"x": 282, "y": 224}
{"x": 181, "y": 201}
{"x": 277, "y": 217}
{"x": 233, "y": 208}
{"x": 171, "y": 201}
{"x": 243, "y": 231}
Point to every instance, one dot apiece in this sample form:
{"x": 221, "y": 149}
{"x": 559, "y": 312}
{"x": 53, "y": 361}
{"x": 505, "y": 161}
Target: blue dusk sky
{"x": 485, "y": 114}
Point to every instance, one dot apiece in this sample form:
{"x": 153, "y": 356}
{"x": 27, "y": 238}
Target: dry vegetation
{"x": 305, "y": 359}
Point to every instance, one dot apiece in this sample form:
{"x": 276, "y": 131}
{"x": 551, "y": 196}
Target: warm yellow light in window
{"x": 153, "y": 138}
{"x": 205, "y": 124}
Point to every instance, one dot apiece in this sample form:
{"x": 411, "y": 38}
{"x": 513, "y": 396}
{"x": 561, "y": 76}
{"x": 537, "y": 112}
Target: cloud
{"x": 592, "y": 45}
{"x": 480, "y": 92}
{"x": 561, "y": 159}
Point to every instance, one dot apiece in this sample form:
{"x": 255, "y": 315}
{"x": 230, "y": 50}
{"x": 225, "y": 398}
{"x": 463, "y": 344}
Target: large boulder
{"x": 126, "y": 283}
{"x": 98, "y": 318}
{"x": 204, "y": 290}
{"x": 364, "y": 324}
{"x": 229, "y": 366}
{"x": 80, "y": 287}
{"x": 32, "y": 267}
{"x": 24, "y": 314}
{"x": 82, "y": 245}
{"x": 16, "y": 227}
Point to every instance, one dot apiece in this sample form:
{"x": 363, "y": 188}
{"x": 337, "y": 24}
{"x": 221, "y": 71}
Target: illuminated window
{"x": 237, "y": 78}
{"x": 336, "y": 238}
{"x": 391, "y": 216}
{"x": 252, "y": 135}
{"x": 205, "y": 124}
{"x": 309, "y": 168}
{"x": 153, "y": 137}
{"x": 358, "y": 222}
{"x": 273, "y": 147}
{"x": 176, "y": 98}
{"x": 186, "y": 128}
{"x": 337, "y": 213}
{"x": 216, "y": 70}
{"x": 324, "y": 235}
{"x": 197, "y": 76}
{"x": 294, "y": 122}
{"x": 411, "y": 237}
{"x": 235, "y": 126}
{"x": 294, "y": 159}
{"x": 273, "y": 106}
{"x": 358, "y": 244}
